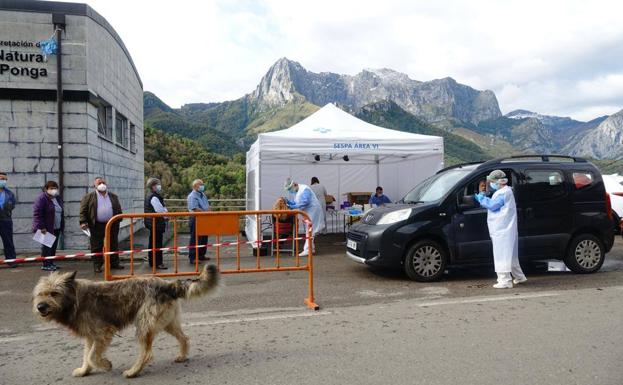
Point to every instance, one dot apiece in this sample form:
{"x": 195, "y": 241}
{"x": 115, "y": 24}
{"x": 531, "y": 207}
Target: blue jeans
{"x": 6, "y": 233}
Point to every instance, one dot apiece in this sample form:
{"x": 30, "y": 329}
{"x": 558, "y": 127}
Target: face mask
{"x": 158, "y": 188}
{"x": 101, "y": 187}
{"x": 2, "y": 183}
{"x": 52, "y": 192}
{"x": 494, "y": 186}
{"x": 201, "y": 188}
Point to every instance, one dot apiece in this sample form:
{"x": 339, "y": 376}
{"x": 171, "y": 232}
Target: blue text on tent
{"x": 356, "y": 146}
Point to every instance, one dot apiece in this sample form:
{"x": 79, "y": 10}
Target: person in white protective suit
{"x": 305, "y": 199}
{"x": 502, "y": 223}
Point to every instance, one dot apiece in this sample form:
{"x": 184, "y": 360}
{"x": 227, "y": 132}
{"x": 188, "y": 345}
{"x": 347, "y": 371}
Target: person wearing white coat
{"x": 502, "y": 223}
{"x": 305, "y": 199}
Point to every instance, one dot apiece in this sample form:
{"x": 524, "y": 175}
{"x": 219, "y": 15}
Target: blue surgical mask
{"x": 2, "y": 183}
{"x": 201, "y": 188}
{"x": 494, "y": 186}
{"x": 158, "y": 188}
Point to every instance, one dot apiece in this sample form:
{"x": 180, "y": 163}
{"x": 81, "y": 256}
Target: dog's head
{"x": 54, "y": 297}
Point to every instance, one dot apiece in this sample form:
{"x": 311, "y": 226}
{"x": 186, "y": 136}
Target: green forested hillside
{"x": 225, "y": 128}
{"x": 609, "y": 166}
{"x": 158, "y": 115}
{"x": 178, "y": 161}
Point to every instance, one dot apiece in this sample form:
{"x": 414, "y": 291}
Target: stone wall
{"x": 93, "y": 61}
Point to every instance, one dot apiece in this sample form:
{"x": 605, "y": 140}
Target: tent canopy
{"x": 345, "y": 153}
{"x": 330, "y": 132}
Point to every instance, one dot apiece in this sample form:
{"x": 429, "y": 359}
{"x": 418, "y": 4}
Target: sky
{"x": 554, "y": 57}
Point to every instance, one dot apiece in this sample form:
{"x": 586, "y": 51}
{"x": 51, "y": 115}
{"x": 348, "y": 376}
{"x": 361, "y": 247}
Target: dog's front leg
{"x": 96, "y": 357}
{"x": 86, "y": 367}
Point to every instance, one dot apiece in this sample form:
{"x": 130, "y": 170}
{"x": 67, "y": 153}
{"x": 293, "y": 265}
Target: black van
{"x": 563, "y": 213}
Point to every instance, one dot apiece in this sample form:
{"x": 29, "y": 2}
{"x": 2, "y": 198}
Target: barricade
{"x": 216, "y": 225}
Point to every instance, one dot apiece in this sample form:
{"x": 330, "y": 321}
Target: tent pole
{"x": 378, "y": 171}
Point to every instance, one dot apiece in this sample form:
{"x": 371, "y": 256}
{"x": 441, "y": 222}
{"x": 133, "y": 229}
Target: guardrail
{"x": 233, "y": 204}
{"x": 218, "y": 224}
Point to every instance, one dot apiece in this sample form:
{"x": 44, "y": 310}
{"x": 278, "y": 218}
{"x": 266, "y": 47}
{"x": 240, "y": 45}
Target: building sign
{"x": 18, "y": 63}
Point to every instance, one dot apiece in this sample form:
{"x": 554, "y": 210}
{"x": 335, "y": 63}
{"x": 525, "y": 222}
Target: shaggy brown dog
{"x": 95, "y": 311}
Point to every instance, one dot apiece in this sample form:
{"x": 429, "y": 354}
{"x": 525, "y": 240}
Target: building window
{"x": 121, "y": 130}
{"x": 132, "y": 138}
{"x": 104, "y": 121}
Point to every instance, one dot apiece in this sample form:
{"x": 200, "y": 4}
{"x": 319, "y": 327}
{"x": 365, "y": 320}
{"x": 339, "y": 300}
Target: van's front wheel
{"x": 426, "y": 261}
{"x": 586, "y": 254}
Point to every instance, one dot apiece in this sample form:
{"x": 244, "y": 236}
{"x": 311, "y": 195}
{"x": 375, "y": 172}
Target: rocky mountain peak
{"x": 288, "y": 81}
{"x": 605, "y": 141}
{"x": 277, "y": 87}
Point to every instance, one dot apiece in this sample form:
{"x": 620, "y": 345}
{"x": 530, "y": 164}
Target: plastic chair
{"x": 282, "y": 229}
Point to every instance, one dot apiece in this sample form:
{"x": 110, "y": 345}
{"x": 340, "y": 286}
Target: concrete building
{"x": 101, "y": 111}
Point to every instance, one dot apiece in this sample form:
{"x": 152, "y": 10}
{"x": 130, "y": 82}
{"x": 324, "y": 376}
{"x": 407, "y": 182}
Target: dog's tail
{"x": 208, "y": 281}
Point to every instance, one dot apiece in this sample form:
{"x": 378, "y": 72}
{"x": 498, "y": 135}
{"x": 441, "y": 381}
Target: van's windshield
{"x": 436, "y": 187}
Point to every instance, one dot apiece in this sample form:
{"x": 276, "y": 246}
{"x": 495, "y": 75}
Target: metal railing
{"x": 218, "y": 224}
{"x": 233, "y": 204}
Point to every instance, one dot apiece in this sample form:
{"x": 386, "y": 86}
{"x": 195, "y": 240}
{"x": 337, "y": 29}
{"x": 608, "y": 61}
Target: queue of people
{"x": 97, "y": 207}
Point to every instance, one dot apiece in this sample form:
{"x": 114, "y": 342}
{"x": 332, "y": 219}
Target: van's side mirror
{"x": 468, "y": 202}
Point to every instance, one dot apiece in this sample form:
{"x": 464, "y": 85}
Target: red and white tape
{"x": 124, "y": 252}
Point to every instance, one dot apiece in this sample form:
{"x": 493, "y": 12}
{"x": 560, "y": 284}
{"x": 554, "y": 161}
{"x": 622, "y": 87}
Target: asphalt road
{"x": 373, "y": 328}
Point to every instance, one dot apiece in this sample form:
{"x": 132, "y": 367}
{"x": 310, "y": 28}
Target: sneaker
{"x": 503, "y": 285}
{"x": 517, "y": 281}
{"x": 118, "y": 267}
{"x": 161, "y": 267}
{"x": 304, "y": 254}
{"x": 48, "y": 268}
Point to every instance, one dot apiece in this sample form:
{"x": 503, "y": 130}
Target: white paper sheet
{"x": 46, "y": 239}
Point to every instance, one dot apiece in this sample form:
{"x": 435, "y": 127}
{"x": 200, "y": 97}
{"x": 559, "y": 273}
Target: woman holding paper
{"x": 47, "y": 214}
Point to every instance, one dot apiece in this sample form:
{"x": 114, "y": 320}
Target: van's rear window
{"x": 582, "y": 179}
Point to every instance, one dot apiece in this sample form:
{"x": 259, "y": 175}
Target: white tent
{"x": 345, "y": 153}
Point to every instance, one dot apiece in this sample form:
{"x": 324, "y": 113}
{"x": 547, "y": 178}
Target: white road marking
{"x": 13, "y": 339}
{"x": 488, "y": 299}
{"x": 259, "y": 318}
{"x": 376, "y": 294}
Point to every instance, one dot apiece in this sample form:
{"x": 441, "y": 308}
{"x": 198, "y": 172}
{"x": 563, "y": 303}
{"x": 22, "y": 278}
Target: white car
{"x": 614, "y": 187}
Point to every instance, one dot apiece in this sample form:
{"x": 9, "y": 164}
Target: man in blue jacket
{"x": 7, "y": 203}
{"x": 379, "y": 199}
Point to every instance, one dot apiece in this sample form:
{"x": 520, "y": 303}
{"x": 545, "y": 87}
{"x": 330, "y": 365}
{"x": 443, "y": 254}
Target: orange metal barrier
{"x": 217, "y": 224}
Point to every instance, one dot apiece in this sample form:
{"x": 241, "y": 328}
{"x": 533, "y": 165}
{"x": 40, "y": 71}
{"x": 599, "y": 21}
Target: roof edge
{"x": 74, "y": 9}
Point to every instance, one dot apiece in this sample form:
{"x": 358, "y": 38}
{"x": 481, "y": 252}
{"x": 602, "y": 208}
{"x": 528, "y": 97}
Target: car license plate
{"x": 351, "y": 244}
